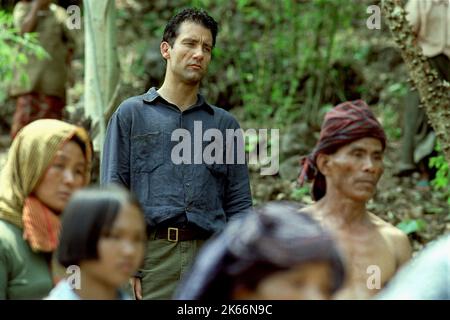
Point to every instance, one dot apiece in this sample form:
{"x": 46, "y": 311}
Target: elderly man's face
{"x": 354, "y": 170}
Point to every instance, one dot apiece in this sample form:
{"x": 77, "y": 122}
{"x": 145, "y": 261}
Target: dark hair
{"x": 90, "y": 213}
{"x": 319, "y": 185}
{"x": 274, "y": 238}
{"x": 80, "y": 143}
{"x": 199, "y": 16}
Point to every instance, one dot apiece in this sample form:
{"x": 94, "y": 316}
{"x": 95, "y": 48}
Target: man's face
{"x": 189, "y": 57}
{"x": 354, "y": 170}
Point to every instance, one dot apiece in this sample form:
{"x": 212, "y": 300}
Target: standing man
{"x": 430, "y": 21}
{"x": 44, "y": 93}
{"x": 184, "y": 203}
{"x": 345, "y": 167}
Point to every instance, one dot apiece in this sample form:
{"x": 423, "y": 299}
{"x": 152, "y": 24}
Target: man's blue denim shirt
{"x": 137, "y": 155}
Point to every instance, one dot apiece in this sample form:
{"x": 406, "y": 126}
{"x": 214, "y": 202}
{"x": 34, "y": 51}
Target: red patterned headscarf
{"x": 345, "y": 123}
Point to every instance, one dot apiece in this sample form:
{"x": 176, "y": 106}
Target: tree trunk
{"x": 101, "y": 65}
{"x": 435, "y": 93}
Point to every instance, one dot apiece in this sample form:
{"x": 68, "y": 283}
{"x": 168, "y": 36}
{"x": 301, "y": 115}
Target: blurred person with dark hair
{"x": 275, "y": 253}
{"x": 103, "y": 233}
{"x": 345, "y": 167}
{"x": 47, "y": 162}
{"x": 186, "y": 200}
{"x": 43, "y": 95}
{"x": 430, "y": 21}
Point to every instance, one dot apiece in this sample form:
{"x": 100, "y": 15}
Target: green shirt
{"x": 24, "y": 274}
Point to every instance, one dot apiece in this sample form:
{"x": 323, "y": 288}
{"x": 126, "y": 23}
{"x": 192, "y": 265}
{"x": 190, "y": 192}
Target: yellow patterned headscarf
{"x": 31, "y": 152}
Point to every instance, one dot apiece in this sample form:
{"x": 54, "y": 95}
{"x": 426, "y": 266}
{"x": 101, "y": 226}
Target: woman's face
{"x": 121, "y": 251}
{"x": 65, "y": 175}
{"x": 308, "y": 281}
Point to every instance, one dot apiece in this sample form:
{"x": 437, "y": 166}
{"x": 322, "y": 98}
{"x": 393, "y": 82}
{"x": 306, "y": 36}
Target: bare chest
{"x": 370, "y": 262}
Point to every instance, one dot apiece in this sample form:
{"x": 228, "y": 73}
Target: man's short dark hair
{"x": 89, "y": 215}
{"x": 198, "y": 16}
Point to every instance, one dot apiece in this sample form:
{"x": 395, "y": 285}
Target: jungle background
{"x": 277, "y": 64}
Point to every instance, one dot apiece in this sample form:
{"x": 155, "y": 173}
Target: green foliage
{"x": 299, "y": 193}
{"x": 393, "y": 96}
{"x": 390, "y": 118}
{"x": 399, "y": 89}
{"x": 251, "y": 143}
{"x": 442, "y": 179}
{"x": 292, "y": 49}
{"x": 14, "y": 50}
{"x": 281, "y": 61}
{"x": 412, "y": 225}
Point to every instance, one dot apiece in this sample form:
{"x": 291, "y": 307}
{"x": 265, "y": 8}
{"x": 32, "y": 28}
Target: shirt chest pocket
{"x": 217, "y": 170}
{"x": 218, "y": 173}
{"x": 147, "y": 151}
{"x": 216, "y": 180}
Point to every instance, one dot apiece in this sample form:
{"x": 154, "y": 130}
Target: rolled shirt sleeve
{"x": 237, "y": 198}
{"x": 115, "y": 166}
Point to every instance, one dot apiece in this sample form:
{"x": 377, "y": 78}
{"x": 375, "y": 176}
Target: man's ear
{"x": 165, "y": 50}
{"x": 323, "y": 163}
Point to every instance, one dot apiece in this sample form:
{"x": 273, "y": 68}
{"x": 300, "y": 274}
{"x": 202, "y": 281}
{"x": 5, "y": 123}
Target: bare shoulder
{"x": 308, "y": 208}
{"x": 312, "y": 211}
{"x": 388, "y": 230}
{"x": 396, "y": 238}
{"x": 383, "y": 225}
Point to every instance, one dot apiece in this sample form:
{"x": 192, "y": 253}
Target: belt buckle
{"x": 169, "y": 232}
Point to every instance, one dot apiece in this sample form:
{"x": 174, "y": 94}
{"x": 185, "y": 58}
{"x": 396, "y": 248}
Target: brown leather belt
{"x": 180, "y": 234}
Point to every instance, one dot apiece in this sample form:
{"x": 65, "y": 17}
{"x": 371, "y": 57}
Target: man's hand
{"x": 29, "y": 24}
{"x": 42, "y": 4}
{"x": 137, "y": 288}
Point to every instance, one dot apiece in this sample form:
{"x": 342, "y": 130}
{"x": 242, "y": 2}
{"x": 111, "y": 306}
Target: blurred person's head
{"x": 48, "y": 161}
{"x": 348, "y": 158}
{"x": 103, "y": 232}
{"x": 274, "y": 253}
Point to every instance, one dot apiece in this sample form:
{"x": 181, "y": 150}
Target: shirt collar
{"x": 151, "y": 95}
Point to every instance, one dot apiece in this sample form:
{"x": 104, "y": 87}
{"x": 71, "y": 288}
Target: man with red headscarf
{"x": 345, "y": 167}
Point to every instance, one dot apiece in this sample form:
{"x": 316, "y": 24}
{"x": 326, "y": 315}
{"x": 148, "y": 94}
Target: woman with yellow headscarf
{"x": 48, "y": 161}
